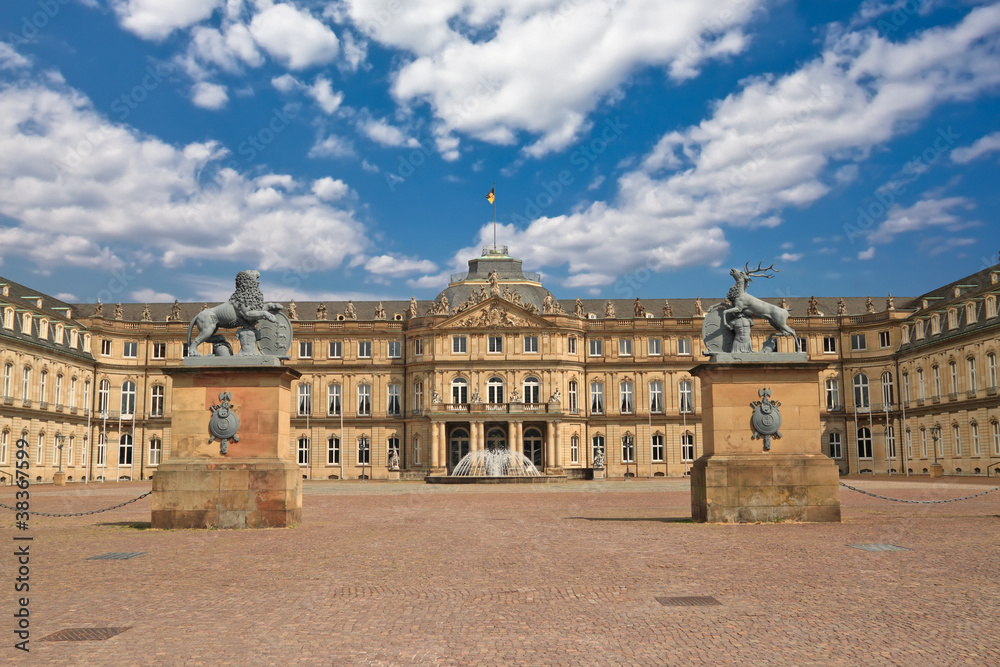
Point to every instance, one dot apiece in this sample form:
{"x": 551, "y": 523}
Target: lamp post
{"x": 937, "y": 470}
{"x": 59, "y": 478}
{"x": 364, "y": 446}
{"x": 631, "y": 454}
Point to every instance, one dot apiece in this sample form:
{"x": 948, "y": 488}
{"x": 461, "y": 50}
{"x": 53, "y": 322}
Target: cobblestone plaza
{"x": 407, "y": 573}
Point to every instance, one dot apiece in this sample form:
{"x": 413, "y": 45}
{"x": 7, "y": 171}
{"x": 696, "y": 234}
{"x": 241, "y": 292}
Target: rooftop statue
{"x": 244, "y": 309}
{"x": 640, "y": 310}
{"x": 379, "y": 311}
{"x": 578, "y": 308}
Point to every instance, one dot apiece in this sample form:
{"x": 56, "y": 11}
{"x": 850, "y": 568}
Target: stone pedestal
{"x": 737, "y": 480}
{"x": 394, "y": 475}
{"x": 937, "y": 470}
{"x": 598, "y": 473}
{"x": 59, "y": 479}
{"x": 256, "y": 484}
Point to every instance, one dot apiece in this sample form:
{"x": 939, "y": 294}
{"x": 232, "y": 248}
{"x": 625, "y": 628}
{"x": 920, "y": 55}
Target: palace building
{"x": 497, "y": 361}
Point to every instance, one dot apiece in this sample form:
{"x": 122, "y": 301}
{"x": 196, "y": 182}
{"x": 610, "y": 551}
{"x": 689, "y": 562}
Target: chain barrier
{"x": 920, "y": 502}
{"x": 106, "y": 509}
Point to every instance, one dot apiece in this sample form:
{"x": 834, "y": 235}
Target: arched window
{"x": 103, "y": 397}
{"x": 101, "y": 446}
{"x": 459, "y": 391}
{"x": 533, "y": 446}
{"x": 890, "y": 441}
{"x": 128, "y": 398}
{"x": 862, "y": 399}
{"x": 458, "y": 445}
{"x": 125, "y": 450}
{"x": 155, "y": 451}
{"x": 532, "y": 390}
{"x": 864, "y": 443}
{"x": 888, "y": 395}
{"x": 494, "y": 390}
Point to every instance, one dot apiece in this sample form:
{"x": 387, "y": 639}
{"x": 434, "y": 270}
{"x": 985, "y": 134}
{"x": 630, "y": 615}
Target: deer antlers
{"x": 760, "y": 271}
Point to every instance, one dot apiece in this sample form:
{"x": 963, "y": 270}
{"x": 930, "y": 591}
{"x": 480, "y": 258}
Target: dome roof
{"x": 510, "y": 279}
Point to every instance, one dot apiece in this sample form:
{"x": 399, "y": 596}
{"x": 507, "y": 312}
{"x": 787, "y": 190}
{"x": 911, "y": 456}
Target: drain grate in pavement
{"x": 118, "y": 555}
{"x": 83, "y": 634}
{"x": 878, "y": 547}
{"x": 695, "y": 601}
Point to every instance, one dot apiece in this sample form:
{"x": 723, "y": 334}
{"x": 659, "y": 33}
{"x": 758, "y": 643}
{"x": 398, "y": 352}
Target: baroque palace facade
{"x": 496, "y": 361}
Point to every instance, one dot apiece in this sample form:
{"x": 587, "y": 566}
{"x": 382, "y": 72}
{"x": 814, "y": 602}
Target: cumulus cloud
{"x": 396, "y": 266}
{"x": 985, "y": 145}
{"x": 322, "y": 92}
{"x": 97, "y": 194}
{"x": 492, "y": 69}
{"x": 294, "y": 36}
{"x": 147, "y": 295}
{"x": 925, "y": 213}
{"x": 769, "y": 146}
{"x": 155, "y": 19}
{"x": 209, "y": 95}
{"x": 11, "y": 59}
{"x": 867, "y": 254}
{"x": 330, "y": 189}
{"x": 383, "y": 133}
{"x": 331, "y": 146}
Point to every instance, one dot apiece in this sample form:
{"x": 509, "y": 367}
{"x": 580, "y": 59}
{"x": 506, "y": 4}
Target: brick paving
{"x": 407, "y": 573}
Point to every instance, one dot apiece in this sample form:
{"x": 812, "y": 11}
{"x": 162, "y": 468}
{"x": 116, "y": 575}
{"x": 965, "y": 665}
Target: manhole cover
{"x": 878, "y": 547}
{"x": 696, "y": 601}
{"x": 118, "y": 555}
{"x": 83, "y": 634}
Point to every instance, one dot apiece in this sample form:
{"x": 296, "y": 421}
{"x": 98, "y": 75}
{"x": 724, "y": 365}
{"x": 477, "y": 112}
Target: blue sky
{"x": 149, "y": 149}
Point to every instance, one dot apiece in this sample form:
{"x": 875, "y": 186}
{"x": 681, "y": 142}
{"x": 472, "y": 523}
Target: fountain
{"x": 494, "y": 466}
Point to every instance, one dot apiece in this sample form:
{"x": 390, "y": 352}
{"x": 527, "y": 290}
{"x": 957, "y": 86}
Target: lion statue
{"x": 243, "y": 310}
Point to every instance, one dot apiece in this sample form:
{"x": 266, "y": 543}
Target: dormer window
{"x": 918, "y": 329}
{"x": 74, "y": 337}
{"x": 952, "y": 318}
{"x": 59, "y": 334}
{"x": 906, "y": 334}
{"x": 43, "y": 329}
{"x": 26, "y": 324}
{"x": 935, "y": 324}
{"x": 991, "y": 306}
{"x": 970, "y": 312}
{"x": 8, "y": 318}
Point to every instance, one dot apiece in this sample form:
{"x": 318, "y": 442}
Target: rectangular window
{"x": 686, "y": 391}
{"x": 937, "y": 381}
{"x": 687, "y": 447}
{"x": 40, "y": 450}
{"x": 596, "y": 347}
{"x": 656, "y": 397}
{"x": 574, "y": 449}
{"x": 336, "y": 349}
{"x": 596, "y": 446}
{"x": 418, "y": 396}
{"x": 159, "y": 350}
{"x": 364, "y": 349}
{"x": 156, "y": 400}
{"x": 305, "y": 399}
{"x": 655, "y": 347}
{"x": 395, "y": 405}
{"x": 953, "y": 371}
{"x": 976, "y": 447}
{"x": 571, "y": 345}
{"x": 305, "y": 349}
{"x": 105, "y": 347}
{"x": 995, "y": 427}
{"x": 829, "y": 344}
{"x": 802, "y": 344}
{"x": 303, "y": 451}
{"x": 858, "y": 342}
{"x": 684, "y": 346}
{"x": 973, "y": 385}
{"x": 4, "y": 444}
{"x": 572, "y": 397}
{"x": 991, "y": 368}
{"x": 185, "y": 349}
{"x": 956, "y": 434}
{"x": 155, "y": 451}
{"x": 628, "y": 449}
{"x": 531, "y": 344}
{"x": 883, "y": 339}
{"x": 333, "y": 451}
{"x": 333, "y": 398}
{"x": 364, "y": 400}
{"x": 832, "y": 394}
{"x": 395, "y": 349}
{"x": 626, "y": 404}
{"x": 624, "y": 347}
{"x": 596, "y": 398}
{"x": 130, "y": 349}
{"x": 458, "y": 345}
{"x": 908, "y": 443}
{"x": 991, "y": 307}
{"x": 657, "y": 448}
{"x": 835, "y": 451}
{"x": 364, "y": 450}
{"x": 418, "y": 347}
{"x": 496, "y": 343}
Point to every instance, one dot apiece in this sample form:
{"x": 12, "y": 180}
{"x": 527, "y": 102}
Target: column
{"x": 473, "y": 437}
{"x": 481, "y": 434}
{"x": 558, "y": 428}
{"x": 443, "y": 444}
{"x": 550, "y": 445}
{"x": 511, "y": 437}
{"x": 435, "y": 444}
{"x": 519, "y": 434}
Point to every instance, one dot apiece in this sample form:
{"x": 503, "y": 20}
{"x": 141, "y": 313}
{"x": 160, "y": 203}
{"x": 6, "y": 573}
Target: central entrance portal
{"x": 533, "y": 446}
{"x": 458, "y": 447}
{"x": 496, "y": 439}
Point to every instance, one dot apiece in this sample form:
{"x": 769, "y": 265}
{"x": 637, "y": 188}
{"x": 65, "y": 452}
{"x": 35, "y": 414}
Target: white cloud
{"x": 147, "y": 295}
{"x": 98, "y": 195}
{"x": 209, "y": 95}
{"x": 925, "y": 213}
{"x": 322, "y": 92}
{"x": 867, "y": 254}
{"x": 330, "y": 189}
{"x": 294, "y": 36}
{"x": 229, "y": 48}
{"x": 155, "y": 19}
{"x": 383, "y": 133}
{"x": 286, "y": 83}
{"x": 331, "y": 146}
{"x": 493, "y": 69}
{"x": 791, "y": 256}
{"x": 765, "y": 148}
{"x": 11, "y": 59}
{"x": 985, "y": 145}
{"x": 396, "y": 266}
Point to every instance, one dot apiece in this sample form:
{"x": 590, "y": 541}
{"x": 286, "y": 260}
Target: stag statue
{"x": 751, "y": 306}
